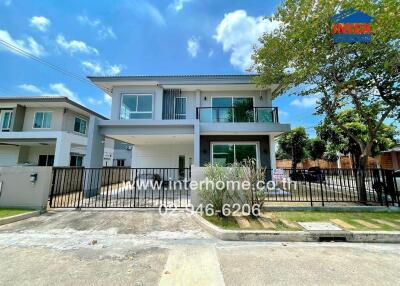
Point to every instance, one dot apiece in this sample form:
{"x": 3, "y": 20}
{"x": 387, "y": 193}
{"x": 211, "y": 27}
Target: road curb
{"x": 333, "y": 208}
{"x": 19, "y": 217}
{"x": 297, "y": 236}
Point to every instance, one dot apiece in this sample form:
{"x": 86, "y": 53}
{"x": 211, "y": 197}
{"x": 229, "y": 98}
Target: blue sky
{"x": 131, "y": 37}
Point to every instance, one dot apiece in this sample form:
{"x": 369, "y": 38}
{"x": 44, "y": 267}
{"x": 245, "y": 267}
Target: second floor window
{"x": 42, "y": 120}
{"x": 180, "y": 107}
{"x": 137, "y": 106}
{"x": 6, "y": 117}
{"x": 80, "y": 125}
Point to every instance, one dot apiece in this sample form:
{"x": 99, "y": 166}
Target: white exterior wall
{"x": 190, "y": 104}
{"x": 9, "y": 155}
{"x": 160, "y": 156}
{"x": 19, "y": 192}
{"x": 157, "y": 93}
{"x": 265, "y": 101}
{"x": 56, "y": 119}
{"x": 35, "y": 151}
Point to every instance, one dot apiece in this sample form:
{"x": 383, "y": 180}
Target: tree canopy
{"x": 341, "y": 142}
{"x": 361, "y": 76}
{"x": 293, "y": 144}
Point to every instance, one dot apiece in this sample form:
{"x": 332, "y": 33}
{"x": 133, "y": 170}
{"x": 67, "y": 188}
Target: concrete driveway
{"x": 145, "y": 248}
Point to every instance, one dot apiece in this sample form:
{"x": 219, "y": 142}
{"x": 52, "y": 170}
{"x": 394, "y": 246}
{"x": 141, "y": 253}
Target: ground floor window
{"x": 225, "y": 153}
{"x": 46, "y": 160}
{"x": 76, "y": 161}
{"x": 119, "y": 162}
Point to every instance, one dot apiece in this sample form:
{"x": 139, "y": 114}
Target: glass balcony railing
{"x": 237, "y": 114}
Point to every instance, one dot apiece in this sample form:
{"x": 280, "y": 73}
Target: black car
{"x": 145, "y": 179}
{"x": 313, "y": 174}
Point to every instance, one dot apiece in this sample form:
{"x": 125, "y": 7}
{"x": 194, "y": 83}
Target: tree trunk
{"x": 361, "y": 174}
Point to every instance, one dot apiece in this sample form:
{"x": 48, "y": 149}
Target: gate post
{"x": 52, "y": 186}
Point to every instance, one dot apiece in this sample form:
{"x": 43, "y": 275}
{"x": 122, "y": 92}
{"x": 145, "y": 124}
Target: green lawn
{"x": 315, "y": 216}
{"x": 11, "y": 212}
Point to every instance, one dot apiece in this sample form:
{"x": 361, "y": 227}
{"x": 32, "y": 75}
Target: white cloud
{"x": 7, "y": 2}
{"x": 154, "y": 13}
{"x": 305, "y": 102}
{"x": 28, "y": 44}
{"x": 103, "y": 31}
{"x": 145, "y": 10}
{"x": 210, "y": 53}
{"x": 94, "y": 101}
{"x": 107, "y": 98}
{"x": 177, "y": 5}
{"x": 59, "y": 89}
{"x": 85, "y": 20}
{"x": 75, "y": 46}
{"x": 97, "y": 68}
{"x": 239, "y": 33}
{"x": 41, "y": 23}
{"x": 30, "y": 88}
{"x": 193, "y": 46}
{"x": 106, "y": 33}
{"x": 283, "y": 113}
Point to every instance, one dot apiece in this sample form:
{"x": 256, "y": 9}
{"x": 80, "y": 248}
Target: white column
{"x": 198, "y": 94}
{"x": 158, "y": 103}
{"x": 272, "y": 151}
{"x": 95, "y": 145}
{"x": 63, "y": 150}
{"x": 196, "y": 144}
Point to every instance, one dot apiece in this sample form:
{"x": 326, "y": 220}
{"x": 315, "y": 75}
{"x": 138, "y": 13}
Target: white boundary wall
{"x": 17, "y": 191}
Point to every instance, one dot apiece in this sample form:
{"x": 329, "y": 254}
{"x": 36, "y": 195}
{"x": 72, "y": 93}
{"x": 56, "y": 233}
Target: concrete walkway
{"x": 145, "y": 248}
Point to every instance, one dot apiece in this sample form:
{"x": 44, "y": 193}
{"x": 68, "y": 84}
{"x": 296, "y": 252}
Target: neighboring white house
{"x": 179, "y": 121}
{"x": 44, "y": 131}
{"x": 117, "y": 153}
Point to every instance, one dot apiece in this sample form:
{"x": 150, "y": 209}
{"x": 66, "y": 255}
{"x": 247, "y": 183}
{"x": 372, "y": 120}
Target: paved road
{"x": 144, "y": 248}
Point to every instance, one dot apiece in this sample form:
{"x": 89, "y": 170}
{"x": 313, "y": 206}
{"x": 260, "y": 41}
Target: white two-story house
{"x": 43, "y": 131}
{"x": 179, "y": 121}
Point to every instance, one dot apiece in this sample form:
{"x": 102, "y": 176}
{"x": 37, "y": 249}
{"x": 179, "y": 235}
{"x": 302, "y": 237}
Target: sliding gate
{"x": 119, "y": 187}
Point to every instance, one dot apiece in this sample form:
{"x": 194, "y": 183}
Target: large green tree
{"x": 341, "y": 142}
{"x": 293, "y": 145}
{"x": 363, "y": 76}
{"x": 316, "y": 148}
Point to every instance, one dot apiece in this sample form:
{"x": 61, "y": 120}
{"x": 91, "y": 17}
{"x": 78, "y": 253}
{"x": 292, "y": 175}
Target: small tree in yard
{"x": 331, "y": 153}
{"x": 316, "y": 148}
{"x": 293, "y": 144}
{"x": 217, "y": 197}
{"x": 362, "y": 76}
{"x": 255, "y": 195}
{"x": 341, "y": 142}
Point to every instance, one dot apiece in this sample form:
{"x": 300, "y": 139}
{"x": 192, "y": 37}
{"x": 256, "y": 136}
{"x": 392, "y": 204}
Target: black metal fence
{"x": 118, "y": 187}
{"x": 314, "y": 185}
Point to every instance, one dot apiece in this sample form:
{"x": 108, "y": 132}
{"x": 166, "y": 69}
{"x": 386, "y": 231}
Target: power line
{"x": 48, "y": 64}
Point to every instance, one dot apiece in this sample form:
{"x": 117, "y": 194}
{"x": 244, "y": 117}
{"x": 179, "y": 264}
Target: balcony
{"x": 237, "y": 114}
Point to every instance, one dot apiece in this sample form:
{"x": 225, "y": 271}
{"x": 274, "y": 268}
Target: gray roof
{"x": 61, "y": 99}
{"x": 190, "y": 76}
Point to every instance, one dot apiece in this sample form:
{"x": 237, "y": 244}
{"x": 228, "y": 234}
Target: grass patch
{"x": 224, "y": 222}
{"x": 349, "y": 217}
{"x": 314, "y": 216}
{"x": 11, "y": 212}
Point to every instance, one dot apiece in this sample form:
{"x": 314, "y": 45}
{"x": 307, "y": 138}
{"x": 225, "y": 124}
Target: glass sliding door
{"x": 222, "y": 109}
{"x": 243, "y": 109}
{"x": 224, "y": 154}
{"x": 232, "y": 109}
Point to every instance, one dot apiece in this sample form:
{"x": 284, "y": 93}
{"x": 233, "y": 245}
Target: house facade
{"x": 43, "y": 131}
{"x": 179, "y": 121}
